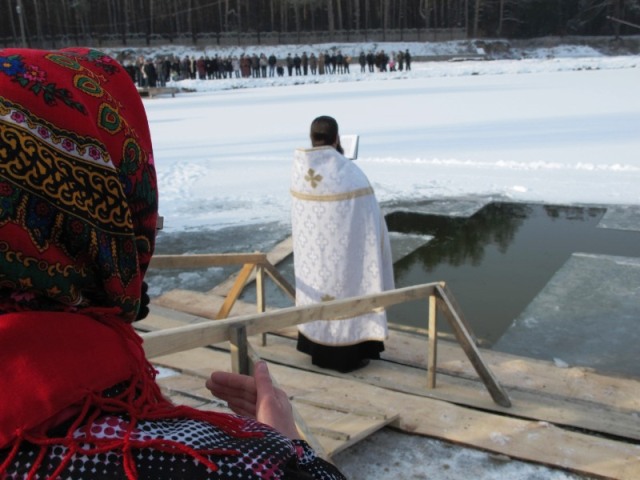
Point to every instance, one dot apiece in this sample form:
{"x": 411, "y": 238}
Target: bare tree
{"x": 339, "y": 9}
{"x": 384, "y": 11}
{"x": 39, "y": 35}
{"x": 425, "y": 12}
{"x": 500, "y": 17}
{"x": 367, "y": 15}
{"x": 476, "y": 17}
{"x": 239, "y": 15}
{"x": 356, "y": 15}
{"x": 59, "y": 21}
{"x": 176, "y": 16}
{"x": 330, "y": 16}
{"x": 9, "y": 15}
{"x": 296, "y": 17}
{"x": 272, "y": 14}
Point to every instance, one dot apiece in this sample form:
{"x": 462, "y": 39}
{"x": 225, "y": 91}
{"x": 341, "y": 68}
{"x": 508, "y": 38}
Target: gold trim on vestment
{"x": 313, "y": 149}
{"x": 361, "y": 192}
{"x": 348, "y": 344}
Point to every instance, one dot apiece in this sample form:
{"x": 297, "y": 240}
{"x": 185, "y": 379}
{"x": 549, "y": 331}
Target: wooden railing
{"x": 251, "y": 263}
{"x": 237, "y": 329}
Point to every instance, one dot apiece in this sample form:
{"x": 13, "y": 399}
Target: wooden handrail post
{"x": 239, "y": 350}
{"x": 466, "y": 341}
{"x": 432, "y": 353}
{"x": 280, "y": 281}
{"x": 260, "y": 297}
{"x": 236, "y": 290}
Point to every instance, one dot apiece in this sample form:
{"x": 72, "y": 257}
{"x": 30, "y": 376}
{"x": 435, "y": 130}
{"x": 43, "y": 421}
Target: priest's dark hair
{"x": 324, "y": 131}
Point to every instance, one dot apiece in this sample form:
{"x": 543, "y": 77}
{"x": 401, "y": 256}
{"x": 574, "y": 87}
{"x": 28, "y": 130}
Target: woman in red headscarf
{"x": 78, "y": 212}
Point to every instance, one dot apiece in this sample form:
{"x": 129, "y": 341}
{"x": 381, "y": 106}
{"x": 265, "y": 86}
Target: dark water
{"x": 496, "y": 261}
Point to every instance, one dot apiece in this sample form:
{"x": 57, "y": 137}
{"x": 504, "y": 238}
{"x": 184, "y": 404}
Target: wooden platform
{"x": 569, "y": 418}
{"x": 334, "y": 424}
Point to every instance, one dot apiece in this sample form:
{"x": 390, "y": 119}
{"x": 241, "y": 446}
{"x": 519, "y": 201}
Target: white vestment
{"x": 340, "y": 244}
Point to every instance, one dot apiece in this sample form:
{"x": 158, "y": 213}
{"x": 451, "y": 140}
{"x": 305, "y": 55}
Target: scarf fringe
{"x": 141, "y": 400}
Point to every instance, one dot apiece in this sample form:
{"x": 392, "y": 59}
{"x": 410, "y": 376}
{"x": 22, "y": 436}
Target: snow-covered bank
{"x": 551, "y": 130}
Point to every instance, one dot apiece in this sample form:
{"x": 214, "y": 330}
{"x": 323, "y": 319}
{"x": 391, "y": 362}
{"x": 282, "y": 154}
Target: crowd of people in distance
{"x": 148, "y": 72}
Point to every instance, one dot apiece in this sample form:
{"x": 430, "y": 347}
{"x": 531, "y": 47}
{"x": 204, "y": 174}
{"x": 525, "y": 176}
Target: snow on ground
{"x": 560, "y": 125}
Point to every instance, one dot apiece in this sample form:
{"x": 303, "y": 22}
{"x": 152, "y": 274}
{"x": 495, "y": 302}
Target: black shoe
{"x": 361, "y": 364}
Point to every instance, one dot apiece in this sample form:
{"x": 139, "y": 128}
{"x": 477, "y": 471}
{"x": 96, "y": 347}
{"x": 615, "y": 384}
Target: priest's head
{"x": 324, "y": 132}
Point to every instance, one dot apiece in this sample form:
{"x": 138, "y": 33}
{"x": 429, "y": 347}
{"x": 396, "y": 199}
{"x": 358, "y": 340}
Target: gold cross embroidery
{"x": 313, "y": 178}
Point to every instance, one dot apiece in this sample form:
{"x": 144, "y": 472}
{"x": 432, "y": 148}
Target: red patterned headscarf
{"x": 78, "y": 197}
{"x": 78, "y": 213}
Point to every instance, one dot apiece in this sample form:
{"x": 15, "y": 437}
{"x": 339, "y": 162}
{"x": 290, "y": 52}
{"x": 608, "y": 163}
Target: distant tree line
{"x": 39, "y": 22}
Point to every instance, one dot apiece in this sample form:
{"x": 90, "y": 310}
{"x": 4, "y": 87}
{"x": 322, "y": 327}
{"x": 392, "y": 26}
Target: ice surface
{"x": 389, "y": 455}
{"x": 588, "y": 315}
{"x": 621, "y": 217}
{"x": 402, "y": 244}
{"x": 458, "y": 207}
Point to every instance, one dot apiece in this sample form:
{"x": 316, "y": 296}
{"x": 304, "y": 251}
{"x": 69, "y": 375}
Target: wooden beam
{"x": 432, "y": 352}
{"x": 456, "y": 307}
{"x": 198, "y": 335}
{"x": 280, "y": 281}
{"x": 235, "y": 292}
{"x": 274, "y": 257}
{"x": 466, "y": 341}
{"x": 340, "y": 407}
{"x": 239, "y": 351}
{"x": 260, "y": 296}
{"x": 205, "y": 260}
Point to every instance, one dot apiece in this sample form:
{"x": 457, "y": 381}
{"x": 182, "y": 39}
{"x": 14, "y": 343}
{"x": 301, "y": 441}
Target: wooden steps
{"x": 335, "y": 426}
{"x": 569, "y": 418}
{"x": 602, "y": 406}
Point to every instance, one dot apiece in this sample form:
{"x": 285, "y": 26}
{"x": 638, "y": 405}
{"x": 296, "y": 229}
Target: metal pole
{"x": 20, "y": 10}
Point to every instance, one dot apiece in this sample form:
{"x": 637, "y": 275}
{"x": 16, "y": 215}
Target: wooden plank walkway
{"x": 569, "y": 418}
{"x": 336, "y": 426}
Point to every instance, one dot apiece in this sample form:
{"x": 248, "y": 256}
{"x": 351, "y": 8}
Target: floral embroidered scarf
{"x": 78, "y": 197}
{"x": 78, "y": 211}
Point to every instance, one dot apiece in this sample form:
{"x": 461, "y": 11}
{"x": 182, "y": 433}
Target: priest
{"x": 341, "y": 249}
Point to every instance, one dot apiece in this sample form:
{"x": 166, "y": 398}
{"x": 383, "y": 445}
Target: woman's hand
{"x": 255, "y": 397}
